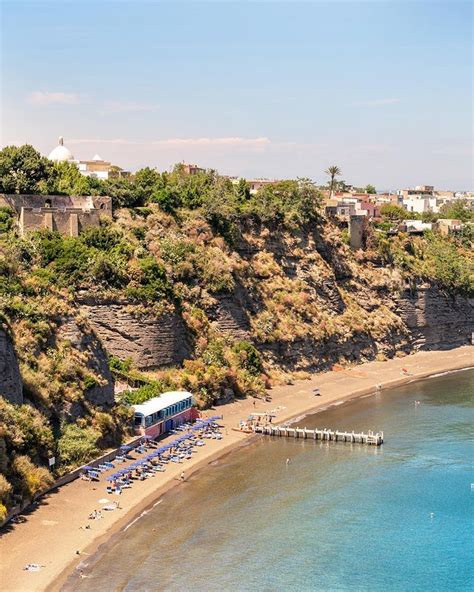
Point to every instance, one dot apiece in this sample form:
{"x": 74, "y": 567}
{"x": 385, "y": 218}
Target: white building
{"x": 97, "y": 167}
{"x": 420, "y": 204}
{"x": 61, "y": 153}
{"x": 417, "y": 225}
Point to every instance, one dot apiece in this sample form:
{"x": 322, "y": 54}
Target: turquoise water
{"x": 338, "y": 517}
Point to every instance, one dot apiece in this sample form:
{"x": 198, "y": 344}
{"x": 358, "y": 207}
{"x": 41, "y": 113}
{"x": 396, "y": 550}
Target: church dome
{"x": 61, "y": 153}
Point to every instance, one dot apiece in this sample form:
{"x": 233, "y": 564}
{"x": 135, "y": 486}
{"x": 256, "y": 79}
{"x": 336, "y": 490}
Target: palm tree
{"x": 333, "y": 171}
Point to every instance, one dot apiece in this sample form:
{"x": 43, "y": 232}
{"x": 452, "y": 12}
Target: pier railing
{"x": 370, "y": 438}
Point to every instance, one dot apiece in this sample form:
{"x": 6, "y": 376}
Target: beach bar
{"x": 164, "y": 413}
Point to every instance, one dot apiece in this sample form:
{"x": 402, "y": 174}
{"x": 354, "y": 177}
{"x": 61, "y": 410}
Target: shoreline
{"x": 295, "y": 401}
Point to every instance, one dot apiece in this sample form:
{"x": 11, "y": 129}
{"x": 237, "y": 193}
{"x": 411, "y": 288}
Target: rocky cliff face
{"x": 150, "y": 341}
{"x": 314, "y": 282}
{"x": 435, "y": 319}
{"x": 84, "y": 340}
{"x": 11, "y": 386}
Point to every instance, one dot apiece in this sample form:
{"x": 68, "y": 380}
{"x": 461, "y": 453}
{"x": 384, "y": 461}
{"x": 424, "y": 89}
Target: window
{"x": 138, "y": 420}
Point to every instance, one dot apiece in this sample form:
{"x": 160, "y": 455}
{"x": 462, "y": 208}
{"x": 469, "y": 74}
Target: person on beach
{"x": 287, "y": 461}
{"x": 317, "y": 392}
{"x": 182, "y": 476}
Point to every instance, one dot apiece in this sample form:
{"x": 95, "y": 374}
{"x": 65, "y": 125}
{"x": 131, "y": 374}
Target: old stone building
{"x": 68, "y": 215}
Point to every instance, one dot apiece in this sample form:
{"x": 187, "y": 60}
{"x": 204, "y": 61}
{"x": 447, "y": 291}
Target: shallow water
{"x": 338, "y": 517}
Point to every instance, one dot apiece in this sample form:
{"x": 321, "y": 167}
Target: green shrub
{"x": 214, "y": 354}
{"x": 34, "y": 479}
{"x": 152, "y": 284}
{"x": 5, "y": 488}
{"x": 249, "y": 357}
{"x": 90, "y": 382}
{"x": 6, "y": 219}
{"x": 77, "y": 445}
{"x": 102, "y": 237}
{"x": 143, "y": 393}
{"x": 122, "y": 366}
{"x": 175, "y": 251}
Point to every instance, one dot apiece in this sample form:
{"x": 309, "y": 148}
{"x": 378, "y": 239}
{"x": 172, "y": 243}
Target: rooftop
{"x": 158, "y": 403}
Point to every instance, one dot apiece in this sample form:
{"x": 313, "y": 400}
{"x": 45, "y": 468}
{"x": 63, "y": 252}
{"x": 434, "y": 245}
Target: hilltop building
{"x": 96, "y": 167}
{"x": 419, "y": 190}
{"x": 192, "y": 169}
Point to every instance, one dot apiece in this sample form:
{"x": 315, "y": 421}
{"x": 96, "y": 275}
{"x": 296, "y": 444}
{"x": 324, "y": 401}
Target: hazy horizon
{"x": 255, "y": 89}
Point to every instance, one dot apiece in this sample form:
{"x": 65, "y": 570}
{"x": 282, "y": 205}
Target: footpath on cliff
{"x": 53, "y": 534}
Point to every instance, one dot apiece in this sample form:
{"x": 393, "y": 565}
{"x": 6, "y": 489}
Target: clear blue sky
{"x": 274, "y": 89}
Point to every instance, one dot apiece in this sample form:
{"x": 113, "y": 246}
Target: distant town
{"x": 412, "y": 210}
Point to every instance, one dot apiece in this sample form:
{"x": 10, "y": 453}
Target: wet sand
{"x": 51, "y": 535}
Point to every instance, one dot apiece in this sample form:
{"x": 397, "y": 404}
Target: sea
{"x": 336, "y": 517}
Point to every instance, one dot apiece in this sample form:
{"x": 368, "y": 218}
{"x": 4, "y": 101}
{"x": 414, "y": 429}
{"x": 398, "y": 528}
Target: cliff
{"x": 434, "y": 318}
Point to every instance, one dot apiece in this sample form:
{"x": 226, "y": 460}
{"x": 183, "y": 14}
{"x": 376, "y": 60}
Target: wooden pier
{"x": 371, "y": 438}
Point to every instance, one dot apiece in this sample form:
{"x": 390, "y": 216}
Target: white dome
{"x": 60, "y": 153}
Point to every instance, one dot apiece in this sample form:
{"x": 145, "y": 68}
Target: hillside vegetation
{"x": 186, "y": 244}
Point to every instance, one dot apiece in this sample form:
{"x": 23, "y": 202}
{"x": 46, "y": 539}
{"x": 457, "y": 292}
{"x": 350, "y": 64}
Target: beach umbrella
{"x": 146, "y": 437}
{"x": 125, "y": 447}
{"x": 89, "y": 468}
{"x": 111, "y": 478}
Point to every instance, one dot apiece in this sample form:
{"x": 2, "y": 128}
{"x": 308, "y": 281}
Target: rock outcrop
{"x": 435, "y": 319}
{"x": 11, "y": 386}
{"x": 150, "y": 341}
{"x": 83, "y": 339}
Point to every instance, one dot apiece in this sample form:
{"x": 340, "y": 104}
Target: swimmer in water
{"x": 287, "y": 461}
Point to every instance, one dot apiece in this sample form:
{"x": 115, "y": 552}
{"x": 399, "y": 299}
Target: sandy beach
{"x": 53, "y": 535}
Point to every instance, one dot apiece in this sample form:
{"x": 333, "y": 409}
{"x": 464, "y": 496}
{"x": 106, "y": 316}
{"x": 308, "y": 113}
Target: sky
{"x": 256, "y": 89}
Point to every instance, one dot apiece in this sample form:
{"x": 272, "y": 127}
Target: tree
{"x": 65, "y": 179}
{"x": 370, "y": 189}
{"x": 221, "y": 208}
{"x": 148, "y": 183}
{"x": 393, "y": 212}
{"x": 292, "y": 202}
{"x": 242, "y": 190}
{"x": 456, "y": 210}
{"x": 122, "y": 191}
{"x": 333, "y": 171}
{"x": 22, "y": 169}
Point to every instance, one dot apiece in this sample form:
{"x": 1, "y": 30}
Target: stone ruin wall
{"x": 67, "y": 222}
{"x": 66, "y": 214}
